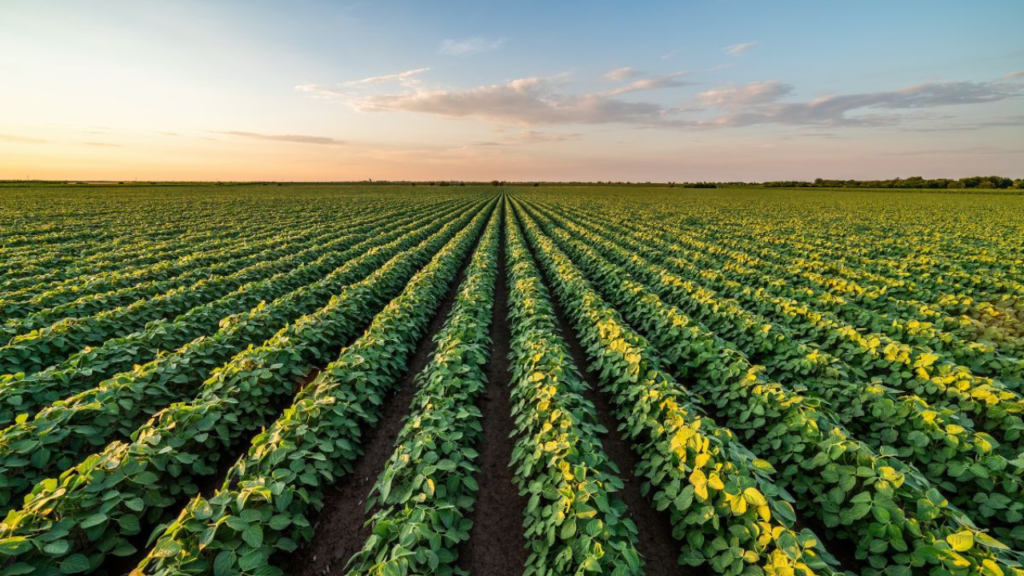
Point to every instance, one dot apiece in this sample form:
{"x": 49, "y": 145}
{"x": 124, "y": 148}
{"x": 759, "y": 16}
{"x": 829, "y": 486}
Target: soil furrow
{"x": 654, "y": 529}
{"x": 340, "y": 530}
{"x": 496, "y": 545}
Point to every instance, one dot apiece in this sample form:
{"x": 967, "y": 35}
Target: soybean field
{"x": 553, "y": 380}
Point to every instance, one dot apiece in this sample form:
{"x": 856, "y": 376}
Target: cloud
{"x": 529, "y": 137}
{"x": 1019, "y": 75}
{"x": 534, "y": 137}
{"x": 468, "y": 46}
{"x": 737, "y": 49}
{"x": 996, "y": 122}
{"x": 296, "y": 138}
{"x": 322, "y": 91}
{"x": 408, "y": 78}
{"x": 620, "y": 74}
{"x": 538, "y": 101}
{"x": 972, "y": 151}
{"x": 399, "y": 77}
{"x": 102, "y": 144}
{"x": 653, "y": 83}
{"x": 748, "y": 94}
{"x": 836, "y": 110}
{"x": 21, "y": 139}
{"x": 524, "y": 101}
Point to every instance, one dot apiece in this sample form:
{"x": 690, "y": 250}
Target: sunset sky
{"x": 694, "y": 90}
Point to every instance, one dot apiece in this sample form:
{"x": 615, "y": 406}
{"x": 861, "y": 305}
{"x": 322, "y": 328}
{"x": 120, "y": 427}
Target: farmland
{"x": 555, "y": 380}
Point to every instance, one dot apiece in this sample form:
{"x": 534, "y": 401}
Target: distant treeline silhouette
{"x": 984, "y": 182}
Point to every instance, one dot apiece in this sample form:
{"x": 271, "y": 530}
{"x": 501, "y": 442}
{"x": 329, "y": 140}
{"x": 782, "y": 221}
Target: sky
{"x": 306, "y": 90}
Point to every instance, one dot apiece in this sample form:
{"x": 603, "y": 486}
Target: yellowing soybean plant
{"x": 396, "y": 380}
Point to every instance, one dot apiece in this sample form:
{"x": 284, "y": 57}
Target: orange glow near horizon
{"x": 110, "y": 90}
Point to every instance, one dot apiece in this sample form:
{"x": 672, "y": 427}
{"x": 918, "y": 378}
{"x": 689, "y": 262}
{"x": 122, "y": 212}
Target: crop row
{"x": 83, "y": 370}
{"x": 125, "y": 255}
{"x": 574, "y": 521}
{"x": 869, "y": 279}
{"x": 40, "y": 349}
{"x": 263, "y": 510}
{"x": 960, "y": 462}
{"x": 98, "y": 507}
{"x": 105, "y": 291}
{"x": 33, "y": 449}
{"x": 219, "y": 265}
{"x": 427, "y": 486}
{"x": 980, "y": 402}
{"x": 722, "y": 499}
{"x": 895, "y": 519}
{"x": 851, "y": 303}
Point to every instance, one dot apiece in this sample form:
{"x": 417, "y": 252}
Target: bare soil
{"x": 340, "y": 530}
{"x": 496, "y": 546}
{"x": 654, "y": 529}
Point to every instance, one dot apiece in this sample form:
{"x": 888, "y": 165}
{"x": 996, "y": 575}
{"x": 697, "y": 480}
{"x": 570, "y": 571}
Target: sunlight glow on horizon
{"x": 111, "y": 90}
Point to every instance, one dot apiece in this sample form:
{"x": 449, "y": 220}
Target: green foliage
{"x": 62, "y": 432}
{"x": 184, "y": 441}
{"x": 965, "y": 464}
{"x": 428, "y": 485}
{"x": 24, "y": 394}
{"x": 851, "y": 361}
{"x": 839, "y": 479}
{"x": 574, "y": 522}
{"x": 721, "y": 498}
{"x": 282, "y": 478}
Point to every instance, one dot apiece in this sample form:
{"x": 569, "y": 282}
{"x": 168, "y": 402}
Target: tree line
{"x": 983, "y": 182}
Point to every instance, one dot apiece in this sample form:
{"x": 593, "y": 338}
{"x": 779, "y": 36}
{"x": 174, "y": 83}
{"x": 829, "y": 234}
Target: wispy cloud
{"x": 745, "y": 95}
{"x": 671, "y": 80}
{"x": 737, "y": 49}
{"x": 534, "y": 137}
{"x": 523, "y": 101}
{"x": 1019, "y": 75}
{"x": 408, "y": 78}
{"x": 758, "y": 105}
{"x": 538, "y": 101}
{"x": 319, "y": 91}
{"x": 530, "y": 137}
{"x": 997, "y": 122}
{"x": 620, "y": 74}
{"x": 399, "y": 77}
{"x": 469, "y": 46}
{"x": 102, "y": 144}
{"x": 972, "y": 151}
{"x": 21, "y": 139}
{"x": 296, "y": 138}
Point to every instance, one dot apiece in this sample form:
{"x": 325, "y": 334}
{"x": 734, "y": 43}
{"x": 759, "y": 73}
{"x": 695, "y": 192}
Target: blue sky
{"x": 722, "y": 90}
